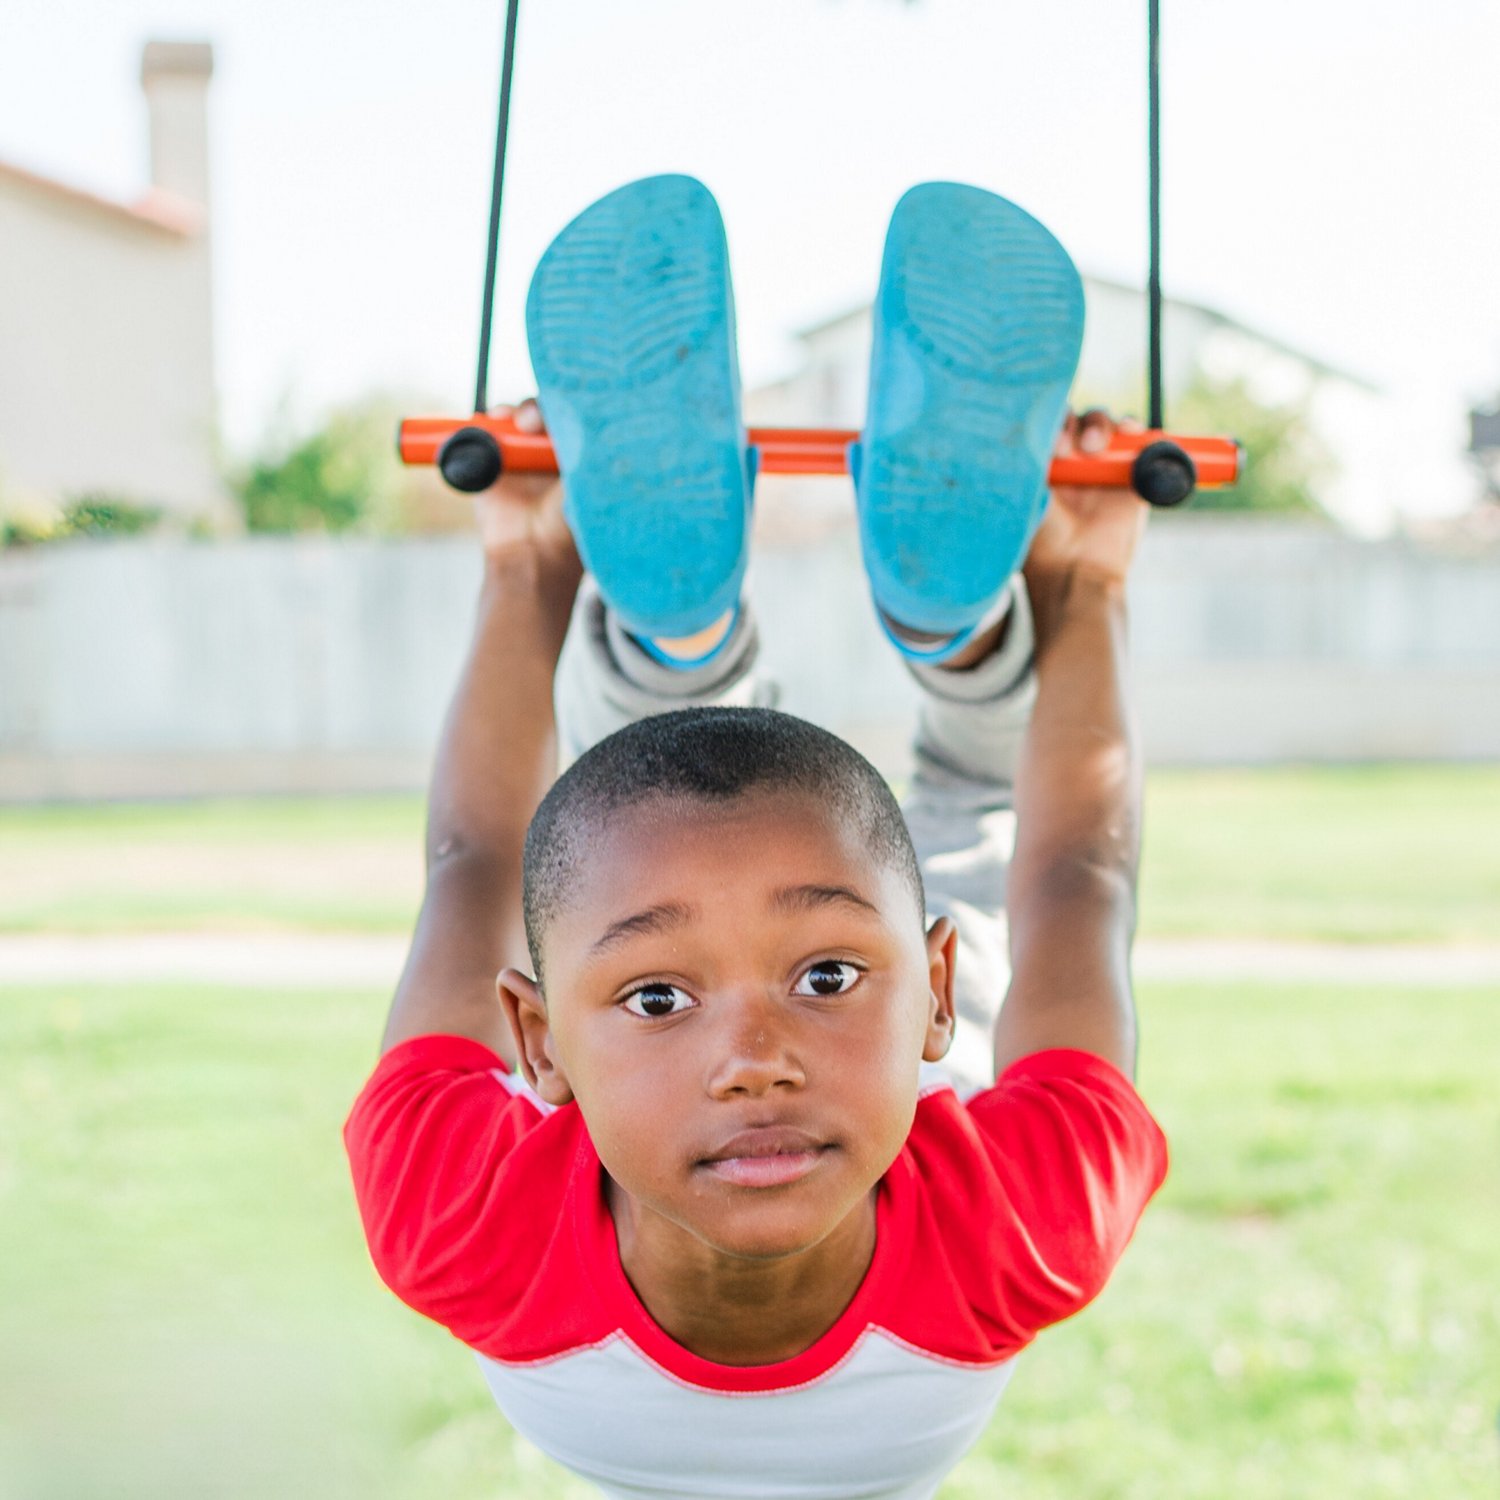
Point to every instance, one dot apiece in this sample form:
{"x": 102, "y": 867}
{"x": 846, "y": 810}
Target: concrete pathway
{"x": 253, "y": 960}
{"x": 323, "y": 961}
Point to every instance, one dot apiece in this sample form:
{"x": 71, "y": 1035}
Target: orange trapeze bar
{"x": 825, "y": 450}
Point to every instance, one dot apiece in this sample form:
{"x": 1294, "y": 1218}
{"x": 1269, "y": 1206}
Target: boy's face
{"x": 738, "y": 996}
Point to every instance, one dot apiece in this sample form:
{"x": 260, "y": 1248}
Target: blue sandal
{"x": 631, "y": 324}
{"x": 978, "y": 326}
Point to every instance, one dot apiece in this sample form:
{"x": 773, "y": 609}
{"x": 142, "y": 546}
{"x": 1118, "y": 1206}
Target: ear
{"x": 536, "y": 1047}
{"x": 942, "y": 952}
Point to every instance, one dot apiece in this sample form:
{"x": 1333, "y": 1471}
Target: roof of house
{"x": 156, "y": 209}
{"x": 1323, "y": 367}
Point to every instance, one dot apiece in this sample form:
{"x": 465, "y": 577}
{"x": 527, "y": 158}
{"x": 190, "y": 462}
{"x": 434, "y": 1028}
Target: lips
{"x": 769, "y": 1156}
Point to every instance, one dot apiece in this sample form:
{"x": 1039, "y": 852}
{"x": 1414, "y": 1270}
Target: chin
{"x": 763, "y": 1230}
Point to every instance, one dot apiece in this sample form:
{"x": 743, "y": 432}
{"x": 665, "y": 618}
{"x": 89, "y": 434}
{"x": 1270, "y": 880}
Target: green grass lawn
{"x": 1360, "y": 854}
{"x": 1353, "y": 854}
{"x": 1311, "y": 1309}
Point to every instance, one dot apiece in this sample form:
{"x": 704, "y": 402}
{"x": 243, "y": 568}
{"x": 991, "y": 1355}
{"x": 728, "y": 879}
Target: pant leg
{"x": 960, "y": 809}
{"x": 606, "y": 681}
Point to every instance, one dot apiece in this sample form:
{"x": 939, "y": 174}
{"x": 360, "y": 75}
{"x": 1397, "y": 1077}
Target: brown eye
{"x": 829, "y": 977}
{"x": 653, "y": 1001}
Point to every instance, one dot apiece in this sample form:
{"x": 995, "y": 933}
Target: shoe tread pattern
{"x": 623, "y": 298}
{"x": 631, "y": 324}
{"x": 1026, "y": 335}
{"x": 978, "y": 328}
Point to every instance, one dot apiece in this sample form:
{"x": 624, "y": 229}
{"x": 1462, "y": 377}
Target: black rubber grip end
{"x": 470, "y": 460}
{"x": 1163, "y": 474}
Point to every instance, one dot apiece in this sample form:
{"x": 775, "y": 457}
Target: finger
{"x": 1096, "y": 429}
{"x": 1067, "y": 436}
{"x": 1130, "y": 424}
{"x": 528, "y": 416}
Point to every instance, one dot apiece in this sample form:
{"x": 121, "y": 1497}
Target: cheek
{"x": 897, "y": 1028}
{"x": 633, "y": 1106}
{"x": 875, "y": 1067}
{"x": 881, "y": 1052}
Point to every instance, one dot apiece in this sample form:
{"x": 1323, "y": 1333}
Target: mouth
{"x": 769, "y": 1157}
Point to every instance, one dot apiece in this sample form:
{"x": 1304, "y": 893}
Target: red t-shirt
{"x": 484, "y": 1209}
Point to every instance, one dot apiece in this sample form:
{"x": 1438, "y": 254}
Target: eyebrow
{"x": 803, "y": 898}
{"x": 653, "y": 919}
{"x": 790, "y": 899}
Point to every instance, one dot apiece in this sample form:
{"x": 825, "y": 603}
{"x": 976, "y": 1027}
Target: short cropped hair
{"x": 705, "y": 755}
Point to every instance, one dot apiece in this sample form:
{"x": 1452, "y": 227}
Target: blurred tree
{"x": 23, "y": 530}
{"x": 89, "y": 515}
{"x": 97, "y": 514}
{"x": 327, "y": 481}
{"x": 346, "y": 476}
{"x": 1284, "y": 458}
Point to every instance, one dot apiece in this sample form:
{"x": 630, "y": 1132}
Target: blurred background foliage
{"x": 1284, "y": 460}
{"x": 345, "y": 476}
{"x": 84, "y": 516}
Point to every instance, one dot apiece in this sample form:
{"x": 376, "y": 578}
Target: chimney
{"x": 175, "y": 78}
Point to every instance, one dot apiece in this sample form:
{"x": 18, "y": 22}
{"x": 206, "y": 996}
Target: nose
{"x": 757, "y": 1049}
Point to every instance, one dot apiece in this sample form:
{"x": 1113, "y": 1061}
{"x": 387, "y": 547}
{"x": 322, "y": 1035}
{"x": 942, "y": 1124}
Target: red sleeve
{"x": 1036, "y": 1188}
{"x": 442, "y": 1152}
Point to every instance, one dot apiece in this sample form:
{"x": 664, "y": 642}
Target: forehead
{"x": 771, "y": 825}
{"x": 736, "y": 852}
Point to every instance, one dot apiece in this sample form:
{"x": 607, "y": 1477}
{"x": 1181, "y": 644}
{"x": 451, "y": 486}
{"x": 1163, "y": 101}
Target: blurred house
{"x": 1484, "y": 448}
{"x": 1347, "y": 417}
{"x": 106, "y": 319}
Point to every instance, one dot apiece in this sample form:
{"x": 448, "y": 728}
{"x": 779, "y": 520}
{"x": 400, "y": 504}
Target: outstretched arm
{"x": 495, "y": 761}
{"x": 1071, "y": 893}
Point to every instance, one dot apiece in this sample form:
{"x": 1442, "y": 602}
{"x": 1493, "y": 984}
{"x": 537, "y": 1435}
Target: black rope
{"x": 486, "y": 313}
{"x": 1153, "y": 154}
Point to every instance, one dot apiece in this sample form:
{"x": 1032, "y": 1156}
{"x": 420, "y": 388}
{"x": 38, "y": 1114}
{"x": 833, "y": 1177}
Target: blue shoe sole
{"x": 977, "y": 330}
{"x": 630, "y": 319}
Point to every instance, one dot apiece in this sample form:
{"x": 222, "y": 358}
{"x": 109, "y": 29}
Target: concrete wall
{"x": 172, "y": 668}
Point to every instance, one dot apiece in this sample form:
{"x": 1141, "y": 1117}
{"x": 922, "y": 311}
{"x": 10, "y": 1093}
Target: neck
{"x": 735, "y": 1310}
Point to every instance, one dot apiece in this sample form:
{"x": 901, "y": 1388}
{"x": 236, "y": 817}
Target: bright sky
{"x": 1330, "y": 164}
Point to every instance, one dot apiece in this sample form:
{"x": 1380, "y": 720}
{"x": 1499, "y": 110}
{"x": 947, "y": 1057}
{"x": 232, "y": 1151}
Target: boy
{"x": 695, "y": 1187}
